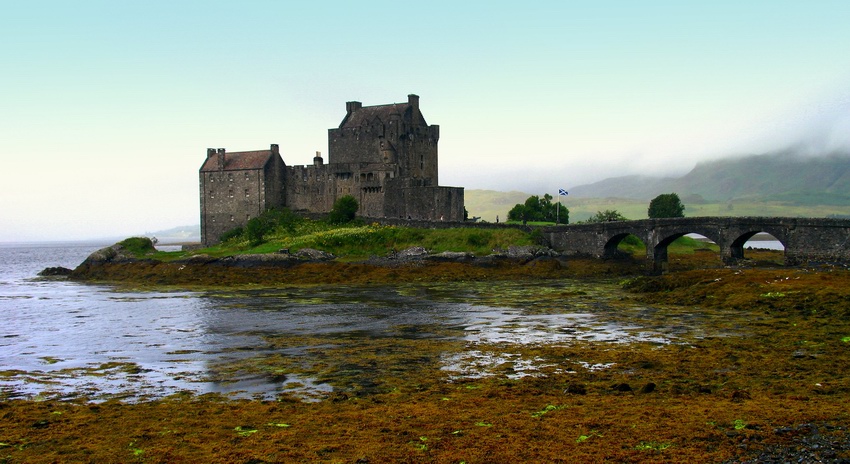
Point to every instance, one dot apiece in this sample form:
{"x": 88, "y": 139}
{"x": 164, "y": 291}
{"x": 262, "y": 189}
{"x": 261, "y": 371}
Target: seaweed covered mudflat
{"x": 706, "y": 365}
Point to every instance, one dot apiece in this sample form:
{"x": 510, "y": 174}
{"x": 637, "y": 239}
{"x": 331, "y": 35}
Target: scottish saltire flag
{"x": 562, "y": 192}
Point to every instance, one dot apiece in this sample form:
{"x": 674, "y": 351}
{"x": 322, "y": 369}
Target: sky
{"x": 107, "y": 107}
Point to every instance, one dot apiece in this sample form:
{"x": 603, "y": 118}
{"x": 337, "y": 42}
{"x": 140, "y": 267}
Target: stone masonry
{"x": 385, "y": 156}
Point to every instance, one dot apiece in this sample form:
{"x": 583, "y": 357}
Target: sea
{"x": 67, "y": 340}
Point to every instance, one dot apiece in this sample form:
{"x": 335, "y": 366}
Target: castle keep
{"x": 385, "y": 156}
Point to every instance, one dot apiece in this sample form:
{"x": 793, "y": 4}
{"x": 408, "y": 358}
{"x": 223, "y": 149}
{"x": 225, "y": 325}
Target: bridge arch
{"x": 736, "y": 247}
{"x": 658, "y": 255}
{"x": 804, "y": 239}
{"x": 610, "y": 250}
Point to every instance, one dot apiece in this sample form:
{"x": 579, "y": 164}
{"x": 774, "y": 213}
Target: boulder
{"x": 55, "y": 272}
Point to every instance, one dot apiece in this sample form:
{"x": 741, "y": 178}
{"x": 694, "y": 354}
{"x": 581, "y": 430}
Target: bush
{"x": 257, "y": 229}
{"x": 231, "y": 234}
{"x": 478, "y": 239}
{"x": 343, "y": 211}
{"x": 138, "y": 245}
{"x": 607, "y": 216}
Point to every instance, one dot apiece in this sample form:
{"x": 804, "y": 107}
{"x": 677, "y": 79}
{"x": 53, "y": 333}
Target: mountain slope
{"x": 772, "y": 177}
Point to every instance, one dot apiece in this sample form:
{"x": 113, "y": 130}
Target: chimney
{"x": 210, "y": 152}
{"x": 413, "y": 100}
{"x": 352, "y": 106}
{"x": 220, "y": 159}
{"x": 317, "y": 160}
{"x": 275, "y": 149}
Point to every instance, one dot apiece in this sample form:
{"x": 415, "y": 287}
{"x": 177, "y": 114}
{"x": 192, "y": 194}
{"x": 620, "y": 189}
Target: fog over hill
{"x": 783, "y": 176}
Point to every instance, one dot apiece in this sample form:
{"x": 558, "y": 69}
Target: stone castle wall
{"x": 384, "y": 156}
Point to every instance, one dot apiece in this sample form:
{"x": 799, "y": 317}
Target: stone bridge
{"x": 805, "y": 239}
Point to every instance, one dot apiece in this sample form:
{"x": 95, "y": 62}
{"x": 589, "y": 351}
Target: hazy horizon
{"x": 109, "y": 107}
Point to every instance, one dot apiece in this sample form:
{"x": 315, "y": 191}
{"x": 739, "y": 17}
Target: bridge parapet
{"x": 804, "y": 239}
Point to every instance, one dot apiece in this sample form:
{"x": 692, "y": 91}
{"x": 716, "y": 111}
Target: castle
{"x": 385, "y": 156}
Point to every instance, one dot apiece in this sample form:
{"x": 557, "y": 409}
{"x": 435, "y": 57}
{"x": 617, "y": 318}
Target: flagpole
{"x": 561, "y": 192}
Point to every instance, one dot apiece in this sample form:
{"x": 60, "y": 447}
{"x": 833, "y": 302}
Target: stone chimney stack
{"x": 220, "y": 159}
{"x": 275, "y": 149}
{"x": 352, "y": 106}
{"x": 413, "y": 100}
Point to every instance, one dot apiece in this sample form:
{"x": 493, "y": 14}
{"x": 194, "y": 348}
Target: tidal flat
{"x": 592, "y": 363}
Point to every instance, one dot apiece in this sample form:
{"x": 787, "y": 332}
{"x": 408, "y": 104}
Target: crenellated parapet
{"x": 385, "y": 156}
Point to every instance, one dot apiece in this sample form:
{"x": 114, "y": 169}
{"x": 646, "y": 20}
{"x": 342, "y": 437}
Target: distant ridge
{"x": 784, "y": 176}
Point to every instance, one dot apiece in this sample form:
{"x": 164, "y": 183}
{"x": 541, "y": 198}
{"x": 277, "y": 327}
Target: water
{"x": 68, "y": 340}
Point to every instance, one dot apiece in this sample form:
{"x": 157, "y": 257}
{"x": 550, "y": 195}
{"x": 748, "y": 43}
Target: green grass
{"x": 357, "y": 242}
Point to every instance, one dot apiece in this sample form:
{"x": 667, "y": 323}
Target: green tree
{"x": 257, "y": 229}
{"x": 607, "y": 216}
{"x": 666, "y": 205}
{"x": 343, "y": 211}
{"x": 539, "y": 210}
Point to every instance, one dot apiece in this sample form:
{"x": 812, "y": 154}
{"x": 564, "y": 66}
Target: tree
{"x": 666, "y": 205}
{"x": 540, "y": 210}
{"x": 607, "y": 216}
{"x": 343, "y": 211}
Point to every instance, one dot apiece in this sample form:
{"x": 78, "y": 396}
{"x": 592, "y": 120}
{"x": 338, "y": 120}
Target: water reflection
{"x": 65, "y": 340}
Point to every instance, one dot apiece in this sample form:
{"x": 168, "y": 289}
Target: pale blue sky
{"x": 108, "y": 106}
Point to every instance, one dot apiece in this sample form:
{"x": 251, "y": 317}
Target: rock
{"x": 740, "y": 395}
{"x": 451, "y": 256}
{"x": 314, "y": 255}
{"x": 621, "y": 387}
{"x": 576, "y": 389}
{"x": 648, "y": 388}
{"x": 55, "y": 271}
{"x": 412, "y": 252}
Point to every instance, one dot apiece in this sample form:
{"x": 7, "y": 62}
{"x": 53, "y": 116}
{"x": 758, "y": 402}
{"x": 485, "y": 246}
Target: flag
{"x": 562, "y": 192}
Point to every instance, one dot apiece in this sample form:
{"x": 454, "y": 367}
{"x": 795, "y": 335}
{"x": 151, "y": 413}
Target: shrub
{"x": 231, "y": 234}
{"x": 138, "y": 245}
{"x": 343, "y": 210}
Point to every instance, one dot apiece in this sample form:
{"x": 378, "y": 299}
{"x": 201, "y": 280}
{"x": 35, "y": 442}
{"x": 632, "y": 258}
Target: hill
{"x": 784, "y": 176}
{"x": 777, "y": 184}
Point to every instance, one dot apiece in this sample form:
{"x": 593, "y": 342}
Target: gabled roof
{"x": 239, "y": 161}
{"x": 364, "y": 116}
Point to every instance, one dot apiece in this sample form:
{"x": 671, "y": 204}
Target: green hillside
{"x": 782, "y": 184}
{"x": 781, "y": 177}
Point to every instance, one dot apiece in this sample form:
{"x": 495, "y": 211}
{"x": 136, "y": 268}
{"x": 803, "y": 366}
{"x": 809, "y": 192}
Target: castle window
{"x": 230, "y": 193}
{"x": 231, "y": 218}
{"x": 247, "y": 193}
{"x": 230, "y": 177}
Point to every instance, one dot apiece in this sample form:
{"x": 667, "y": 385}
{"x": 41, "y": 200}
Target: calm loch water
{"x": 70, "y": 340}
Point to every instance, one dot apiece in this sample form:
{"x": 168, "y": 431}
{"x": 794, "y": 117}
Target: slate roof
{"x": 239, "y": 160}
{"x": 365, "y": 115}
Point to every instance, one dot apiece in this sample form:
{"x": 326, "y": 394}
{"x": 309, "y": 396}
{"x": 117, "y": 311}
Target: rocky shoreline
{"x": 309, "y": 266}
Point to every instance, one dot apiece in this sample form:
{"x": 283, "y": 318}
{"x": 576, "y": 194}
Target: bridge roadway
{"x": 805, "y": 239}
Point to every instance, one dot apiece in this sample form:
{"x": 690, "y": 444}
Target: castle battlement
{"x": 385, "y": 156}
